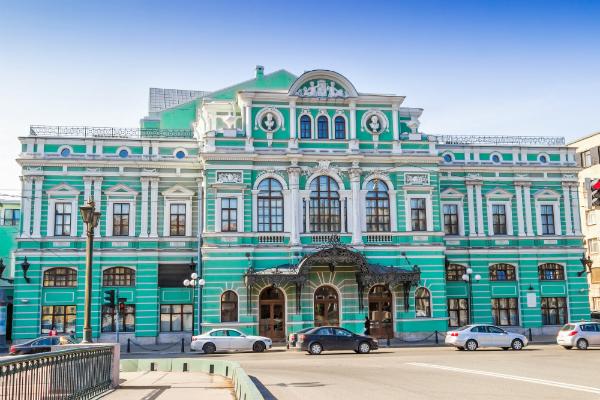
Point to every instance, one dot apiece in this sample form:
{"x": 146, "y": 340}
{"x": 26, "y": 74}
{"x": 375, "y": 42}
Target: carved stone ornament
{"x": 323, "y": 168}
{"x": 375, "y": 122}
{"x": 416, "y": 179}
{"x": 269, "y": 120}
{"x": 323, "y": 89}
{"x": 229, "y": 177}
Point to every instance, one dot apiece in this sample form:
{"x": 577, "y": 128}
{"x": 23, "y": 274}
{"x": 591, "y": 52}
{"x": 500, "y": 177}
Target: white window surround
{"x": 461, "y": 218}
{"x": 177, "y": 195}
{"x": 240, "y": 211}
{"x": 312, "y": 125}
{"x": 344, "y": 195}
{"x": 287, "y": 208}
{"x": 392, "y": 199}
{"x": 499, "y": 197}
{"x": 428, "y": 210}
{"x": 495, "y": 153}
{"x": 62, "y": 193}
{"x": 120, "y": 194}
{"x": 547, "y": 197}
{"x": 323, "y": 113}
{"x": 346, "y": 133}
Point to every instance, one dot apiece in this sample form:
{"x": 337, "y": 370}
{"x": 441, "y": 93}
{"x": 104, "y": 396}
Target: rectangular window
{"x": 121, "y": 219}
{"x": 505, "y": 311}
{"x": 593, "y": 245}
{"x": 62, "y": 219}
{"x": 229, "y": 214}
{"x": 595, "y": 275}
{"x": 11, "y": 217}
{"x": 62, "y": 318}
{"x": 547, "y": 218}
{"x": 596, "y": 304}
{"x": 586, "y": 159}
{"x": 499, "y": 219}
{"x": 450, "y": 219}
{"x": 458, "y": 312}
{"x": 177, "y": 220}
{"x": 591, "y": 217}
{"x": 554, "y": 311}
{"x": 176, "y": 317}
{"x": 418, "y": 216}
{"x": 126, "y": 318}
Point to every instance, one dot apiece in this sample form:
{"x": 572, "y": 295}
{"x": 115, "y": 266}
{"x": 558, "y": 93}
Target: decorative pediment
{"x": 63, "y": 190}
{"x": 499, "y": 193}
{"x": 322, "y": 84}
{"x": 547, "y": 193}
{"x": 178, "y": 191}
{"x": 120, "y": 190}
{"x": 452, "y": 193}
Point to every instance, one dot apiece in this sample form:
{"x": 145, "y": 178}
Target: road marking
{"x": 563, "y": 385}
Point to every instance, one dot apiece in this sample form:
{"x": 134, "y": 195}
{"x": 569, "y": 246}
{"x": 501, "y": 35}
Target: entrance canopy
{"x": 334, "y": 255}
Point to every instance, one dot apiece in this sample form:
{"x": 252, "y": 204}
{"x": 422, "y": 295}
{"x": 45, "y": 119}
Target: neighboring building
{"x": 588, "y": 158}
{"x": 314, "y": 203}
{"x": 10, "y": 221}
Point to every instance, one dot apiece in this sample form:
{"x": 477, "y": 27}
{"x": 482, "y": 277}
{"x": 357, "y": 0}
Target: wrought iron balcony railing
{"x": 107, "y": 132}
{"x": 501, "y": 140}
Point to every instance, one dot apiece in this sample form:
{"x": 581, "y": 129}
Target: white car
{"x": 229, "y": 340}
{"x": 579, "y": 334}
{"x": 471, "y": 337}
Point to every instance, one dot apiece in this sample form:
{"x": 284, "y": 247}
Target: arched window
{"x": 60, "y": 277}
{"x": 422, "y": 303}
{"x": 378, "y": 207}
{"x": 454, "y": 272}
{"x": 270, "y": 206}
{"x": 502, "y": 272}
{"x": 118, "y": 276}
{"x": 340, "y": 127}
{"x": 305, "y": 127}
{"x": 322, "y": 127}
{"x": 551, "y": 272}
{"x": 229, "y": 306}
{"x": 325, "y": 213}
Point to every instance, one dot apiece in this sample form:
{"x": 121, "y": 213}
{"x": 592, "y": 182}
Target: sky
{"x": 476, "y": 67}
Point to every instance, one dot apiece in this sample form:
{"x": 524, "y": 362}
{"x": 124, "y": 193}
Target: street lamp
{"x": 196, "y": 281}
{"x": 467, "y": 278}
{"x": 90, "y": 217}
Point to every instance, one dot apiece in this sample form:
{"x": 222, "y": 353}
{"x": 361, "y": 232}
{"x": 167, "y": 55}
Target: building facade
{"x": 300, "y": 201}
{"x": 10, "y": 219}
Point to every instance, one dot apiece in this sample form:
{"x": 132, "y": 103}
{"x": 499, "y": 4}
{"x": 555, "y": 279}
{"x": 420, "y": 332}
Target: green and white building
{"x": 300, "y": 201}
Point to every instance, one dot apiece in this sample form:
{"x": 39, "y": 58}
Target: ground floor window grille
{"x": 505, "y": 311}
{"x": 126, "y": 318}
{"x": 176, "y": 317}
{"x": 61, "y": 318}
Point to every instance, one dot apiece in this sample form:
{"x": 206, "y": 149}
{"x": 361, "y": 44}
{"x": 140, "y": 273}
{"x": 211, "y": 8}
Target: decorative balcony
{"x": 107, "y": 132}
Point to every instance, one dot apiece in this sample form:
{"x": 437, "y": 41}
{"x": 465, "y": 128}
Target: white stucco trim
{"x": 507, "y": 209}
{"x": 461, "y": 218}
{"x": 240, "y": 210}
{"x": 428, "y": 210}
{"x": 177, "y": 195}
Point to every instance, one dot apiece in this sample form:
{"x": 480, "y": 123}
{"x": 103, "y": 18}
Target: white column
{"x": 248, "y": 118}
{"x": 293, "y": 123}
{"x": 575, "y": 211}
{"x": 520, "y": 220}
{"x": 294, "y": 181}
{"x": 567, "y": 203}
{"x": 355, "y": 186}
{"x": 472, "y": 228}
{"x": 479, "y": 200}
{"x": 353, "y": 142}
{"x": 98, "y": 200}
{"x": 144, "y": 210}
{"x": 395, "y": 129}
{"x": 154, "y": 207}
{"x": 528, "y": 219}
{"x": 37, "y": 207}
{"x": 26, "y": 205}
{"x": 200, "y": 182}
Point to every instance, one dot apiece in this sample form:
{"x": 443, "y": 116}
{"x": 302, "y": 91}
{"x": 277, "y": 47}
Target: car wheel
{"x": 516, "y": 344}
{"x": 364, "y": 348}
{"x": 568, "y": 347}
{"x": 258, "y": 347}
{"x": 471, "y": 345}
{"x": 209, "y": 348}
{"x": 315, "y": 349}
{"x": 582, "y": 344}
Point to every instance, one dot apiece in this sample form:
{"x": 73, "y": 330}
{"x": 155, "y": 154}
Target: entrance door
{"x": 327, "y": 309}
{"x": 272, "y": 314}
{"x": 380, "y": 312}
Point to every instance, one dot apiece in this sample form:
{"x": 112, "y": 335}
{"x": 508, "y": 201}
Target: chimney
{"x": 260, "y": 71}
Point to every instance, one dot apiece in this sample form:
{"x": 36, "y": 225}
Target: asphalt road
{"x": 537, "y": 372}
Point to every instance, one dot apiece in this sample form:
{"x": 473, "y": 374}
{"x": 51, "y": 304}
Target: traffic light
{"x": 109, "y": 297}
{"x": 594, "y": 193}
{"x": 122, "y": 301}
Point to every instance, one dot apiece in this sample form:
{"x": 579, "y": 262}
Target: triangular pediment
{"x": 120, "y": 190}
{"x": 499, "y": 193}
{"x": 63, "y": 190}
{"x": 546, "y": 193}
{"x": 178, "y": 191}
{"x": 449, "y": 192}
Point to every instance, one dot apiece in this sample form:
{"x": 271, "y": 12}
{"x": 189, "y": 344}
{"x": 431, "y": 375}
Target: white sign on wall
{"x": 531, "y": 300}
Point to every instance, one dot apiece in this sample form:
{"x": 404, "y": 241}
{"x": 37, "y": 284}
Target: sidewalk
{"x": 172, "y": 386}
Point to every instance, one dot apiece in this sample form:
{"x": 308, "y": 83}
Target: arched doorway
{"x": 381, "y": 312}
{"x": 271, "y": 305}
{"x": 327, "y": 306}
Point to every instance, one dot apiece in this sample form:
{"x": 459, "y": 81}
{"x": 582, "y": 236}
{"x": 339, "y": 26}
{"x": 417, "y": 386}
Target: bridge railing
{"x": 81, "y": 373}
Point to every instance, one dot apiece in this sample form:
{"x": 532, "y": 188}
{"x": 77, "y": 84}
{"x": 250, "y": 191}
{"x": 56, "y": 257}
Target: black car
{"x": 323, "y": 338}
{"x": 40, "y": 345}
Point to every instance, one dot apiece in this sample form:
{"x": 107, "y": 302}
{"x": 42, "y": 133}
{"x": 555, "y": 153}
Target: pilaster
{"x": 356, "y": 211}
{"x": 154, "y": 207}
{"x": 37, "y": 206}
{"x": 566, "y": 188}
{"x": 144, "y": 211}
{"x": 27, "y": 194}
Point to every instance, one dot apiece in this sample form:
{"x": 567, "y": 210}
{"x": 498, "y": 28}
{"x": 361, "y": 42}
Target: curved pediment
{"x": 323, "y": 84}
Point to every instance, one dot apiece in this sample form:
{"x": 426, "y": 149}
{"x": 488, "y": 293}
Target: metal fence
{"x": 501, "y": 140}
{"x": 107, "y": 132}
{"x": 66, "y": 374}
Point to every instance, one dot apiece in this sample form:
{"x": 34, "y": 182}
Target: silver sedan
{"x": 471, "y": 337}
{"x": 229, "y": 340}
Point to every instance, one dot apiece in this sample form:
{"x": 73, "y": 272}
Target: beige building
{"x": 588, "y": 157}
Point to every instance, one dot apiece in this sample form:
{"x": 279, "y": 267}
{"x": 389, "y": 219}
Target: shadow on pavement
{"x": 262, "y": 389}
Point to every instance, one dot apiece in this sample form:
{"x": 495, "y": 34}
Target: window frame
{"x": 227, "y": 212}
{"x": 320, "y": 124}
{"x": 265, "y": 202}
{"x": 110, "y": 310}
{"x": 421, "y": 214}
{"x": 509, "y": 270}
{"x": 124, "y": 229}
{"x": 507, "y": 203}
{"x": 337, "y": 124}
{"x": 462, "y": 313}
{"x": 554, "y": 201}
{"x": 181, "y": 315}
{"x": 455, "y": 272}
{"x": 50, "y": 275}
{"x": 114, "y": 277}
{"x": 63, "y": 225}
{"x": 382, "y": 207}
{"x": 545, "y": 220}
{"x": 180, "y": 228}
{"x": 446, "y": 224}
{"x": 64, "y": 315}
{"x": 426, "y": 299}
{"x": 557, "y": 272}
{"x": 322, "y": 218}
{"x": 428, "y": 211}
{"x": 562, "y": 311}
{"x": 511, "y": 309}
{"x": 13, "y": 221}
{"x": 310, "y": 125}
{"x": 240, "y": 212}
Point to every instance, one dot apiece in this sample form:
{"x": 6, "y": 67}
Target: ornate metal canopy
{"x": 333, "y": 254}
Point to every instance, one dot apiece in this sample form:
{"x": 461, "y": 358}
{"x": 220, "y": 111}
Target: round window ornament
{"x": 65, "y": 152}
{"x": 375, "y": 122}
{"x": 448, "y": 158}
{"x": 180, "y": 155}
{"x": 543, "y": 159}
{"x": 496, "y": 158}
{"x": 123, "y": 153}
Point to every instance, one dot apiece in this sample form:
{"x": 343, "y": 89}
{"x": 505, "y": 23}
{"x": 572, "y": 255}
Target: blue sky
{"x": 476, "y": 67}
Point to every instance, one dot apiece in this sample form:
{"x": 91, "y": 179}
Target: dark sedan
{"x": 324, "y": 338}
{"x": 40, "y": 345}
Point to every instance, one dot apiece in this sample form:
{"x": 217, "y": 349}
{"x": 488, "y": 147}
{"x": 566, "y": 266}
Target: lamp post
{"x": 467, "y": 278}
{"x": 196, "y": 281}
{"x": 90, "y": 217}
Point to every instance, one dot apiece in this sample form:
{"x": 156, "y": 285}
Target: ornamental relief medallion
{"x": 229, "y": 177}
{"x": 323, "y": 89}
{"x": 375, "y": 122}
{"x": 269, "y": 120}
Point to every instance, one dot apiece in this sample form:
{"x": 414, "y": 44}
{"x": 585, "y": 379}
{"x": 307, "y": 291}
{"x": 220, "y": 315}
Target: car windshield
{"x": 568, "y": 327}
